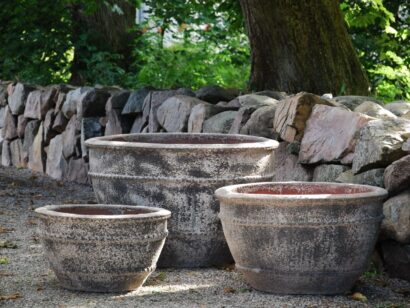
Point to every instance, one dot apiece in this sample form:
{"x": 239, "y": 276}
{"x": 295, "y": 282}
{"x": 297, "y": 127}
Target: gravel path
{"x": 26, "y": 280}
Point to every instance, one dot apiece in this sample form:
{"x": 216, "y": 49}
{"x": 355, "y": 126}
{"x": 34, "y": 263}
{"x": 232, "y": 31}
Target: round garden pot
{"x": 102, "y": 248}
{"x": 180, "y": 172}
{"x": 301, "y": 238}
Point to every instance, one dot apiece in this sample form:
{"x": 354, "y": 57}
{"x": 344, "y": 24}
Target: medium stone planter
{"x": 180, "y": 172}
{"x": 301, "y": 238}
{"x": 102, "y": 248}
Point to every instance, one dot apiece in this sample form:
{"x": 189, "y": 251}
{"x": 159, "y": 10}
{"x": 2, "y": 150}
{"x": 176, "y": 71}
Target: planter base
{"x": 326, "y": 283}
{"x": 103, "y": 283}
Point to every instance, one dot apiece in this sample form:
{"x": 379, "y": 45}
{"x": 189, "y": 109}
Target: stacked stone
{"x": 352, "y": 139}
{"x": 348, "y": 139}
{"x": 44, "y": 128}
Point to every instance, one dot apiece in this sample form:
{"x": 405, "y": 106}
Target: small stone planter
{"x": 102, "y": 248}
{"x": 301, "y": 238}
{"x": 180, "y": 172}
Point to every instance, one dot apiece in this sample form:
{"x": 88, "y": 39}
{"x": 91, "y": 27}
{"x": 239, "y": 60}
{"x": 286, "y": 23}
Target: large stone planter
{"x": 102, "y": 248}
{"x": 180, "y": 172}
{"x": 299, "y": 237}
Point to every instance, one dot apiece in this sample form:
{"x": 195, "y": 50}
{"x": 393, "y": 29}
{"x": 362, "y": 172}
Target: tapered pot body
{"x": 301, "y": 238}
{"x": 180, "y": 172}
{"x": 102, "y": 248}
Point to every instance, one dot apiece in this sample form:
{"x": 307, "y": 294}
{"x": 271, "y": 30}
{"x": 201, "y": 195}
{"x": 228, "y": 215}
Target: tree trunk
{"x": 301, "y": 45}
{"x": 106, "y": 31}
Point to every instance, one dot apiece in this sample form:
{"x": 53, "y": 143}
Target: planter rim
{"x": 230, "y": 192}
{"x": 250, "y": 142}
{"x": 51, "y": 210}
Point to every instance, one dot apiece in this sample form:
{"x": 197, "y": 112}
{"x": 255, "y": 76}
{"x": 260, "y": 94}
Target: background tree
{"x": 380, "y": 31}
{"x": 101, "y": 30}
{"x": 35, "y": 41}
{"x": 302, "y": 46}
{"x": 47, "y": 42}
{"x": 55, "y": 41}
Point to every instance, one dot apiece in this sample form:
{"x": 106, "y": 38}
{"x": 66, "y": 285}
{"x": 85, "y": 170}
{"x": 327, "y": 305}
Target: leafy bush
{"x": 189, "y": 64}
{"x": 380, "y": 33}
{"x": 35, "y": 44}
{"x": 99, "y": 67}
{"x": 210, "y": 46}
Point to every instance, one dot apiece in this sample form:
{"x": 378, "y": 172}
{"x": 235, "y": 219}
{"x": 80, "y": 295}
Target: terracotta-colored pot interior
{"x": 303, "y": 189}
{"x": 185, "y": 139}
{"x": 95, "y": 210}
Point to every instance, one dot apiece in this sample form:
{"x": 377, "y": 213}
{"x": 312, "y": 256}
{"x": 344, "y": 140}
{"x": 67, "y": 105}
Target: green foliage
{"x": 373, "y": 273}
{"x": 34, "y": 36}
{"x": 39, "y": 40}
{"x": 380, "y": 33}
{"x": 189, "y": 64}
{"x": 99, "y": 67}
{"x": 209, "y": 45}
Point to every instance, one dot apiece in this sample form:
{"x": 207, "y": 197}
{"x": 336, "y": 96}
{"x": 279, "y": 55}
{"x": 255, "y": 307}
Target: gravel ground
{"x": 26, "y": 280}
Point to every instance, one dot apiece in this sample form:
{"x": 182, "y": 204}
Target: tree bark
{"x": 106, "y": 31}
{"x": 301, "y": 45}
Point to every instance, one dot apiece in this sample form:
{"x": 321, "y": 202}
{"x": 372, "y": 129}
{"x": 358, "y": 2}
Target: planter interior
{"x": 300, "y": 237}
{"x": 182, "y": 139}
{"x": 304, "y": 189}
{"x": 102, "y": 248}
{"x": 103, "y": 211}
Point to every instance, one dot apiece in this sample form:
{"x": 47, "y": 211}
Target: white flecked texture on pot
{"x": 102, "y": 248}
{"x": 180, "y": 172}
{"x": 300, "y": 237}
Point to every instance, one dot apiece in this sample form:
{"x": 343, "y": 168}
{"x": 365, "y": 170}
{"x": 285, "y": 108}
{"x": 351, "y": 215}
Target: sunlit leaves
{"x": 380, "y": 30}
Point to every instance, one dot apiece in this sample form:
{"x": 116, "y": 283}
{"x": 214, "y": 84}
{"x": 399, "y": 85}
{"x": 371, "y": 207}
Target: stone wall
{"x": 349, "y": 139}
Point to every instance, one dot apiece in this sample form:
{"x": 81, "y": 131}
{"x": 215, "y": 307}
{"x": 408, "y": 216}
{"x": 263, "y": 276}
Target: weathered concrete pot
{"x": 301, "y": 238}
{"x": 180, "y": 172}
{"x": 102, "y": 248}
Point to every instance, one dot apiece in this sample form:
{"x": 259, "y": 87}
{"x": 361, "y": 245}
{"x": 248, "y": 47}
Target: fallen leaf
{"x": 229, "y": 290}
{"x": 31, "y": 222}
{"x": 5, "y": 274}
{"x": 4, "y": 260}
{"x": 5, "y": 230}
{"x": 357, "y": 296}
{"x": 40, "y": 288}
{"x": 404, "y": 291}
{"x": 193, "y": 291}
{"x": 9, "y": 297}
{"x": 7, "y": 244}
{"x": 154, "y": 280}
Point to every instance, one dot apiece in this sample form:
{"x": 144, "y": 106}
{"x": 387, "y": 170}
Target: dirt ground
{"x": 27, "y": 281}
